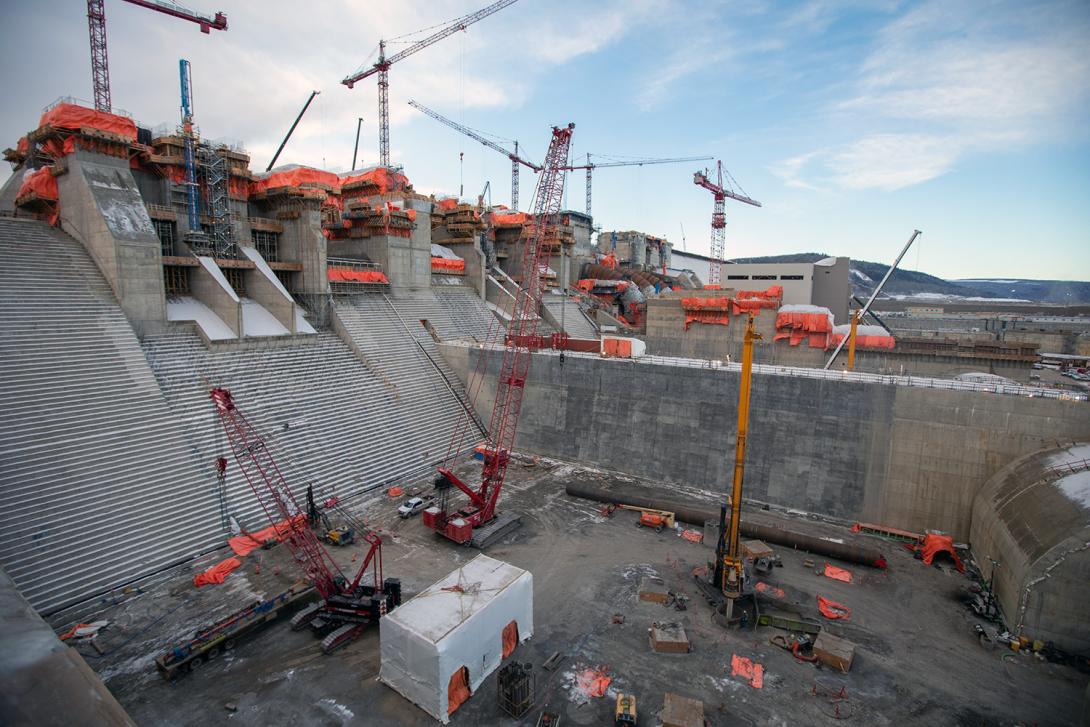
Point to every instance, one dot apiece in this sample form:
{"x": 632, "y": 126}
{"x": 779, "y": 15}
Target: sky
{"x": 852, "y": 122}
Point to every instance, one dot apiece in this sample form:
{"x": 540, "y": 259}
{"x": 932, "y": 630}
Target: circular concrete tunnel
{"x": 1033, "y": 519}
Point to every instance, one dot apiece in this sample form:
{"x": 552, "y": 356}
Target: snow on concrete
{"x": 210, "y": 265}
{"x": 301, "y": 325}
{"x": 258, "y": 321}
{"x": 263, "y": 266}
{"x": 846, "y": 328}
{"x": 187, "y": 308}
{"x": 1077, "y": 487}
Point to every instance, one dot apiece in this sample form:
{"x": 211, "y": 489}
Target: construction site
{"x": 295, "y": 446}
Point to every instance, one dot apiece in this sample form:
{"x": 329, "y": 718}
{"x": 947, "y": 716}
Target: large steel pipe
{"x": 696, "y": 513}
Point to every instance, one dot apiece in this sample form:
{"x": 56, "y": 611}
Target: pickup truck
{"x": 413, "y": 505}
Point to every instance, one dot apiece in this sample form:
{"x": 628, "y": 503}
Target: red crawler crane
{"x": 719, "y": 217}
{"x": 537, "y": 239}
{"x": 346, "y": 607}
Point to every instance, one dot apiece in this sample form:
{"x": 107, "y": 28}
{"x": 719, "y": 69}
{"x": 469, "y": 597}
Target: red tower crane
{"x": 382, "y": 68}
{"x": 513, "y": 156}
{"x": 346, "y": 607}
{"x": 538, "y": 237}
{"x": 96, "y": 24}
{"x": 719, "y": 217}
{"x": 590, "y": 167}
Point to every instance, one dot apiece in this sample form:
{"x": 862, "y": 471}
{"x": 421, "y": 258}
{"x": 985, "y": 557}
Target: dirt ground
{"x": 917, "y": 659}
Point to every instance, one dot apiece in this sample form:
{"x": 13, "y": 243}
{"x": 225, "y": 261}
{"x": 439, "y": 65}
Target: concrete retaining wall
{"x": 905, "y": 456}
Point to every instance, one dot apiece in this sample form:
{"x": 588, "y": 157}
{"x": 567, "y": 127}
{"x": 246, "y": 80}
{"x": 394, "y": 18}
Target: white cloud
{"x": 948, "y": 80}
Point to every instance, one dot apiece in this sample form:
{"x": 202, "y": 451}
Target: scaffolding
{"x": 220, "y": 235}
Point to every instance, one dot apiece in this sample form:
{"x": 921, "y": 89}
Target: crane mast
{"x": 381, "y": 67}
{"x": 537, "y": 239}
{"x": 347, "y": 607}
{"x": 189, "y": 137}
{"x": 719, "y": 218}
{"x": 96, "y": 25}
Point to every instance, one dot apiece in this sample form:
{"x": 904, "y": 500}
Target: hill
{"x": 914, "y": 284}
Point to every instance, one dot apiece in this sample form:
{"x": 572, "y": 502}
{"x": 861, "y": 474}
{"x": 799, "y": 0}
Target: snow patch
{"x": 331, "y": 707}
{"x": 1076, "y": 487}
{"x": 258, "y": 321}
{"x": 186, "y": 308}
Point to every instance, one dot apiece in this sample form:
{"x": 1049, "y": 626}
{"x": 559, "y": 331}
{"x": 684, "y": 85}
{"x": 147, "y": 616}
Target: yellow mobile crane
{"x": 729, "y": 577}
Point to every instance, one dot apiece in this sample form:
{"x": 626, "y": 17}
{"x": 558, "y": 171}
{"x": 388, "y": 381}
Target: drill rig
{"x": 347, "y": 607}
{"x": 730, "y": 577}
{"x": 539, "y": 237}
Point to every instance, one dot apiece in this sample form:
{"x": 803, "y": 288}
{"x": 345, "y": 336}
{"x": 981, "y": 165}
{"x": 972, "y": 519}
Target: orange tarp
{"x": 721, "y": 304}
{"x": 510, "y": 638}
{"x": 768, "y": 590}
{"x": 808, "y": 322}
{"x": 737, "y": 307}
{"x": 933, "y": 544}
{"x": 753, "y": 672}
{"x": 593, "y": 682}
{"x": 296, "y": 177}
{"x": 245, "y": 544}
{"x": 442, "y": 263}
{"x": 617, "y": 347}
{"x": 457, "y": 690}
{"x": 71, "y": 116}
{"x": 216, "y": 574}
{"x": 832, "y": 609}
{"x": 41, "y": 182}
{"x": 348, "y": 275}
{"x": 774, "y": 292}
{"x": 510, "y": 219}
{"x": 837, "y": 574}
{"x": 447, "y": 204}
{"x": 387, "y": 181}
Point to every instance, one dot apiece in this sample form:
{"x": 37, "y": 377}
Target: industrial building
{"x": 300, "y": 446}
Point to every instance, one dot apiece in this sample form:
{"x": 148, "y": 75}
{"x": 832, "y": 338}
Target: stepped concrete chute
{"x": 101, "y": 206}
{"x": 853, "y": 446}
{"x": 1031, "y": 532}
{"x": 98, "y": 482}
{"x": 565, "y": 315}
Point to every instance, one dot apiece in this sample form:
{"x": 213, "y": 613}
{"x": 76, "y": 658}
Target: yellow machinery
{"x": 851, "y": 339}
{"x": 729, "y": 567}
{"x": 625, "y": 714}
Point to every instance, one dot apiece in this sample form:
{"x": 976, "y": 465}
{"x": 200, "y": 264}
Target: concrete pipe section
{"x": 697, "y": 513}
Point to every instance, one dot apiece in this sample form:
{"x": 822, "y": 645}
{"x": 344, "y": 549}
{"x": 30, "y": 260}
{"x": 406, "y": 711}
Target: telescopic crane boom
{"x": 346, "y": 607}
{"x": 382, "y": 68}
{"x": 719, "y": 217}
{"x": 516, "y": 160}
{"x": 538, "y": 237}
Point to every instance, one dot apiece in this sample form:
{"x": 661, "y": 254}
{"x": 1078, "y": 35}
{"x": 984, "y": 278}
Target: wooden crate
{"x": 680, "y": 711}
{"x": 652, "y": 589}
{"x": 669, "y": 639}
{"x": 834, "y": 651}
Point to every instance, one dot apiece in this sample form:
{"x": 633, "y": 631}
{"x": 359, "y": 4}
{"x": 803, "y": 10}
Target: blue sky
{"x": 852, "y": 122}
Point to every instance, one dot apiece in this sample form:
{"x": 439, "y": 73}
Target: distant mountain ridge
{"x": 913, "y": 284}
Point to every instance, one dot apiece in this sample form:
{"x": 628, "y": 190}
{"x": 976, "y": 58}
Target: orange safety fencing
{"x": 442, "y": 263}
{"x": 40, "y": 182}
{"x": 348, "y": 275}
{"x": 73, "y": 117}
{"x": 216, "y": 574}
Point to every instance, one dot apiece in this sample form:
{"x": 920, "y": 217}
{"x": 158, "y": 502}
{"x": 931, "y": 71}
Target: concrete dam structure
{"x": 849, "y": 446}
